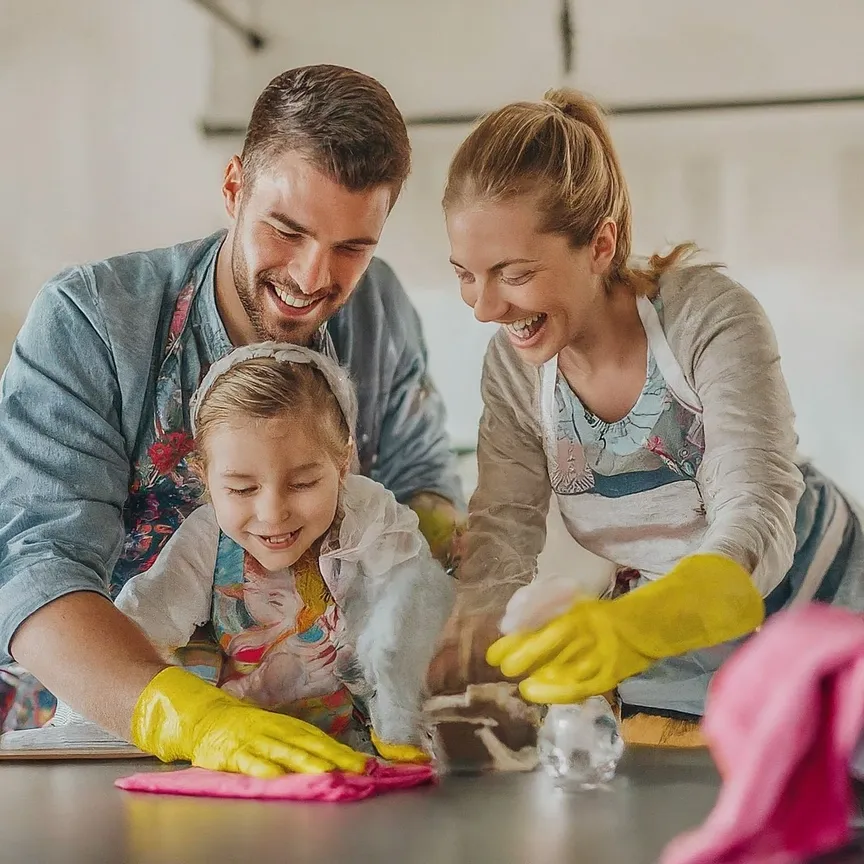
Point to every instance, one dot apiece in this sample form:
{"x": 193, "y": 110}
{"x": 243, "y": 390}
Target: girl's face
{"x": 273, "y": 489}
{"x": 542, "y": 290}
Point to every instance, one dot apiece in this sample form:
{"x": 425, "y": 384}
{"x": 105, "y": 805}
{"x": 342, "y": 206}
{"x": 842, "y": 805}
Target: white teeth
{"x": 521, "y": 328}
{"x": 282, "y": 538}
{"x": 296, "y": 302}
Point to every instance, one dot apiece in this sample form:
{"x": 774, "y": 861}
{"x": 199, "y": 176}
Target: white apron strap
{"x": 548, "y": 420}
{"x": 666, "y": 360}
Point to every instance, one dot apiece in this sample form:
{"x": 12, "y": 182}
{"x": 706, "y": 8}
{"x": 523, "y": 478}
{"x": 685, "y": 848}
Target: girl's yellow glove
{"x": 406, "y": 753}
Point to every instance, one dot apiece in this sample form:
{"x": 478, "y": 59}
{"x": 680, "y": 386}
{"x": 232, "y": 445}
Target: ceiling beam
{"x": 221, "y": 130}
{"x": 252, "y": 37}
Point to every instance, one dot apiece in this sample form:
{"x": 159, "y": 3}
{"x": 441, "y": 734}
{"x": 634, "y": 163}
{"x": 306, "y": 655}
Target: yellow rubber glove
{"x": 400, "y": 752}
{"x": 440, "y": 523}
{"x": 179, "y": 717}
{"x": 705, "y": 600}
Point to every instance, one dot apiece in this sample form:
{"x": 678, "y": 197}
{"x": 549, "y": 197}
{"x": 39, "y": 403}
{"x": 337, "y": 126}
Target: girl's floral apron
{"x": 276, "y": 638}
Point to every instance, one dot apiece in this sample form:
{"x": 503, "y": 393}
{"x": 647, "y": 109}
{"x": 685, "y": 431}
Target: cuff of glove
{"x": 705, "y": 600}
{"x": 167, "y": 710}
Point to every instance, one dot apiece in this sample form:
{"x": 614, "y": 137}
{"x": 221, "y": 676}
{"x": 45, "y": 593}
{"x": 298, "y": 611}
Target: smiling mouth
{"x": 291, "y": 304}
{"x": 279, "y": 542}
{"x": 525, "y": 328}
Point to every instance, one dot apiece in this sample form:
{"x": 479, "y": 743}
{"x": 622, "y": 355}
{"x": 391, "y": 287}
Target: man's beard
{"x": 253, "y": 299}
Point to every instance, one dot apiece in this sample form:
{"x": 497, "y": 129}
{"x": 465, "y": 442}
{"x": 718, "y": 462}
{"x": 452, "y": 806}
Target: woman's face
{"x": 542, "y": 290}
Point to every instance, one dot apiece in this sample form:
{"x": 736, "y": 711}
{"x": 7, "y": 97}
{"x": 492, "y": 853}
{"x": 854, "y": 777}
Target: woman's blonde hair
{"x": 559, "y": 149}
{"x": 263, "y": 388}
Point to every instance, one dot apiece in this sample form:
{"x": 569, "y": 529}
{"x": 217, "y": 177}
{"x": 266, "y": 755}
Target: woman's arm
{"x": 507, "y": 514}
{"x": 750, "y": 482}
{"x": 750, "y": 485}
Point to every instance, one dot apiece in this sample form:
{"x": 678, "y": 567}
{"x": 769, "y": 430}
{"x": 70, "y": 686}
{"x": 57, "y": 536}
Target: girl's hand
{"x": 406, "y": 753}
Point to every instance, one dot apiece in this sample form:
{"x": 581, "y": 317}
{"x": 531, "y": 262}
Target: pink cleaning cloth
{"x": 336, "y": 786}
{"x": 783, "y": 718}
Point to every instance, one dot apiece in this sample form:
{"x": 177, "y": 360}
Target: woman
{"x": 650, "y": 400}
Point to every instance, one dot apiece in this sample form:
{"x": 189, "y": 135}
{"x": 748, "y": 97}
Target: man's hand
{"x": 86, "y": 652}
{"x": 441, "y": 523}
{"x": 180, "y": 717}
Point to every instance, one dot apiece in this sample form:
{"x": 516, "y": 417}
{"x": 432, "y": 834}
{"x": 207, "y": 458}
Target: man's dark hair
{"x": 344, "y": 122}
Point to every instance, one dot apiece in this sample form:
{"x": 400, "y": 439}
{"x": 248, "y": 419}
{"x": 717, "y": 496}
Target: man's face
{"x": 299, "y": 244}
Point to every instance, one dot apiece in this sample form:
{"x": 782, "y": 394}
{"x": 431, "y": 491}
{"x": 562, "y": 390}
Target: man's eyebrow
{"x": 290, "y": 225}
{"x": 296, "y": 228}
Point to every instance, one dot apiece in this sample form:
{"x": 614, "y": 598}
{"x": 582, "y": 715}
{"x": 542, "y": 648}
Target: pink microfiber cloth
{"x": 336, "y": 786}
{"x": 783, "y": 718}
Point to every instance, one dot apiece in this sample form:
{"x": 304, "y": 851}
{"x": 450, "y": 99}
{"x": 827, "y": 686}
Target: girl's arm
{"x": 397, "y": 644}
{"x": 174, "y": 596}
{"x": 395, "y": 600}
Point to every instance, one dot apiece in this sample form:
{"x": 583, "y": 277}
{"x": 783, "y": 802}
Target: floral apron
{"x": 162, "y": 493}
{"x": 278, "y": 642}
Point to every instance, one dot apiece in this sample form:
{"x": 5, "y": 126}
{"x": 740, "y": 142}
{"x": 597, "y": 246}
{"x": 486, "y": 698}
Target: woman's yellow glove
{"x": 179, "y": 717}
{"x": 705, "y": 600}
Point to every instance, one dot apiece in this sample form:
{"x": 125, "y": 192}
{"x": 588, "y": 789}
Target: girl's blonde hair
{"x": 559, "y": 149}
{"x": 263, "y": 388}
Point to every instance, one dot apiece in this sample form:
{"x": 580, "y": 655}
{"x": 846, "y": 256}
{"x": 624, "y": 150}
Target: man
{"x": 94, "y": 411}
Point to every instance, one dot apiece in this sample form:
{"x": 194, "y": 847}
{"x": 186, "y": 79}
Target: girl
{"x": 649, "y": 398}
{"x": 300, "y": 587}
